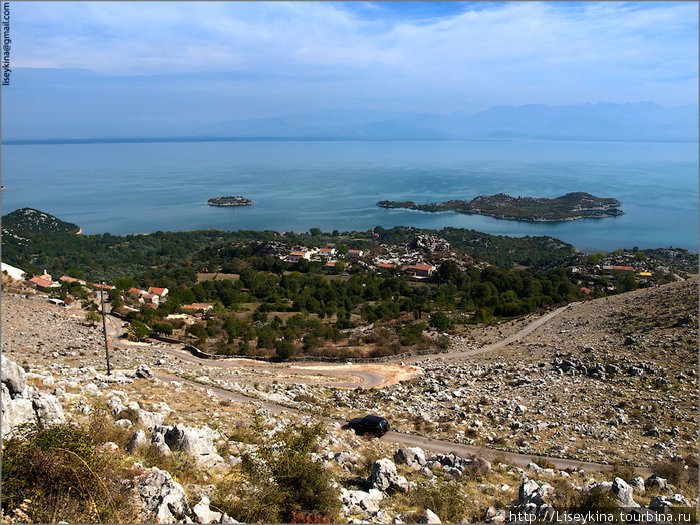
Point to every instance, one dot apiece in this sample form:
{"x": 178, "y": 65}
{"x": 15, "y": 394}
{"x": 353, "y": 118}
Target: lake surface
{"x": 297, "y": 185}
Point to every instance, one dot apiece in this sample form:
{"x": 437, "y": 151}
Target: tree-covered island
{"x": 569, "y": 207}
{"x": 230, "y": 201}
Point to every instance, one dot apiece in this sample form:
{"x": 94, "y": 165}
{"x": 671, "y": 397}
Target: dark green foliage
{"x": 138, "y": 329}
{"x": 284, "y": 349}
{"x": 440, "y": 321}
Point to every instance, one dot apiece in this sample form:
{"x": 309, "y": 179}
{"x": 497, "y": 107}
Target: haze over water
{"x": 297, "y": 185}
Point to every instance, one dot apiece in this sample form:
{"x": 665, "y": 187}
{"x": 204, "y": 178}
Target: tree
{"x": 124, "y": 283}
{"x": 315, "y": 232}
{"x": 138, "y": 329}
{"x": 93, "y": 317}
{"x": 284, "y": 348}
{"x": 440, "y": 321}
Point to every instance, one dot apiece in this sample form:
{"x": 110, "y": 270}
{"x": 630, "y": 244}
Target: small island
{"x": 230, "y": 201}
{"x": 569, "y": 207}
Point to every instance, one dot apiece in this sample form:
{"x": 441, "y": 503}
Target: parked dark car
{"x": 369, "y": 425}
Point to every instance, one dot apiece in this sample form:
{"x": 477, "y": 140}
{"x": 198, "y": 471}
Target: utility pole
{"x": 104, "y": 326}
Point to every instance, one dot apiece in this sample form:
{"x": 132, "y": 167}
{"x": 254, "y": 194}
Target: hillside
{"x": 611, "y": 380}
{"x": 35, "y": 221}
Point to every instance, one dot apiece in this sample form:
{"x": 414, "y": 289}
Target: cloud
{"x": 455, "y": 53}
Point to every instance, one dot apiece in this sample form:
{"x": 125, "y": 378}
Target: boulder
{"x": 637, "y": 484}
{"x": 138, "y": 439}
{"x": 623, "y": 493}
{"x": 48, "y": 409}
{"x": 359, "y": 501}
{"x": 193, "y": 441}
{"x": 203, "y": 514}
{"x": 664, "y": 503}
{"x": 413, "y": 457}
{"x": 160, "y": 498}
{"x": 13, "y": 376}
{"x": 16, "y": 412}
{"x": 384, "y": 476}
{"x": 656, "y": 482}
{"x": 144, "y": 372}
{"x": 427, "y": 516}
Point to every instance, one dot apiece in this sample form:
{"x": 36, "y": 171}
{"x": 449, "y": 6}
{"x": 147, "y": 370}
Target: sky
{"x": 134, "y": 68}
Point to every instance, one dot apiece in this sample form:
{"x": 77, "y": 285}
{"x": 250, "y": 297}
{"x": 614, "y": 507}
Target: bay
{"x": 124, "y": 188}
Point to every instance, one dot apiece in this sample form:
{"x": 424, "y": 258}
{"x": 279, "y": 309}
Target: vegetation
{"x": 284, "y": 485}
{"x": 59, "y": 474}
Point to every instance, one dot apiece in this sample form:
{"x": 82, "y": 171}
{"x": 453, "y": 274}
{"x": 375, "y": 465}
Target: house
{"x": 326, "y": 252}
{"x": 419, "y": 270}
{"x": 43, "y": 283}
{"x": 102, "y": 286}
{"x": 386, "y": 266}
{"x": 66, "y": 279}
{"x": 355, "y": 253}
{"x": 151, "y": 298}
{"x": 162, "y": 292}
{"x": 13, "y": 272}
{"x": 136, "y": 292}
{"x": 297, "y": 256}
{"x": 585, "y": 290}
{"x": 197, "y": 306}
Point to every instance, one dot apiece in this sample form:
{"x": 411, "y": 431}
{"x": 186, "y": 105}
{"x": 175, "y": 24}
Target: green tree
{"x": 93, "y": 317}
{"x": 139, "y": 330}
{"x": 284, "y": 349}
{"x": 440, "y": 321}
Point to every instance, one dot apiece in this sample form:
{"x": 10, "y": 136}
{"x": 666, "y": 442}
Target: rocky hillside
{"x": 175, "y": 441}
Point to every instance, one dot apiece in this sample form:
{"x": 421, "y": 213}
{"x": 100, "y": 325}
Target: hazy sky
{"x": 134, "y": 66}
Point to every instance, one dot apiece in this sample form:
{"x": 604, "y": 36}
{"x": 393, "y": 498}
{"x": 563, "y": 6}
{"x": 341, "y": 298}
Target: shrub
{"x": 286, "y": 485}
{"x": 673, "y": 471}
{"x": 445, "y": 500}
{"x": 64, "y": 475}
{"x": 284, "y": 349}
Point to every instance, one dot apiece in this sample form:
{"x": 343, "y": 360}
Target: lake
{"x": 143, "y": 187}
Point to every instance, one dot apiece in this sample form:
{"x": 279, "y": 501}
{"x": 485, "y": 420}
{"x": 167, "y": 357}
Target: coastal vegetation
{"x": 572, "y": 206}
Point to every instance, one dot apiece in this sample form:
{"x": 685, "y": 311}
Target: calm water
{"x": 135, "y": 188}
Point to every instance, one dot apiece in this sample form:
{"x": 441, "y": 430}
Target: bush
{"x": 66, "y": 477}
{"x": 444, "y": 500}
{"x": 673, "y": 471}
{"x": 286, "y": 485}
{"x": 284, "y": 349}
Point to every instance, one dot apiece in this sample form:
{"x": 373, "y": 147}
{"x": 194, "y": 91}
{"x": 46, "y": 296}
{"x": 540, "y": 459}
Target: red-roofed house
{"x": 102, "y": 286}
{"x": 297, "y": 256}
{"x": 197, "y": 306}
{"x": 355, "y": 253}
{"x": 158, "y": 291}
{"x": 386, "y": 266}
{"x": 43, "y": 284}
{"x": 137, "y": 292}
{"x": 67, "y": 279}
{"x": 623, "y": 268}
{"x": 326, "y": 252}
{"x": 585, "y": 290}
{"x": 151, "y": 298}
{"x": 419, "y": 270}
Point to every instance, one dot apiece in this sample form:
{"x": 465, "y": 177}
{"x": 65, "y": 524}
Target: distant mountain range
{"x": 602, "y": 121}
{"x": 641, "y": 121}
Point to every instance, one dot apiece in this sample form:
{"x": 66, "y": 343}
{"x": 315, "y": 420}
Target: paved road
{"x": 409, "y": 440}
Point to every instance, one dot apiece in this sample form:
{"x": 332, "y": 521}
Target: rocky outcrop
{"x": 195, "y": 442}
{"x": 384, "y": 476}
{"x": 413, "y": 457}
{"x": 22, "y": 404}
{"x": 160, "y": 499}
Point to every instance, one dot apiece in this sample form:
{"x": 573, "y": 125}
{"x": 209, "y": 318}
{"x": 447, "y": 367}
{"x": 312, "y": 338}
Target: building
{"x": 136, "y": 292}
{"x": 67, "y": 279}
{"x": 197, "y": 306}
{"x": 355, "y": 253}
{"x": 162, "y": 292}
{"x": 326, "y": 252}
{"x": 386, "y": 266}
{"x": 419, "y": 270}
{"x": 151, "y": 298}
{"x": 43, "y": 283}
{"x": 296, "y": 256}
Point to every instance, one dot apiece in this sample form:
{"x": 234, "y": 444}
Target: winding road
{"x": 369, "y": 380}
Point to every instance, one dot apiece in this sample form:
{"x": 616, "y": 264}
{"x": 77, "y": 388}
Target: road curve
{"x": 367, "y": 379}
{"x": 434, "y": 445}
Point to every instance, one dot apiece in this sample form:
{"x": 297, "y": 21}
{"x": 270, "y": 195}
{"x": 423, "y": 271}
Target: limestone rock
{"x": 384, "y": 476}
{"x": 160, "y": 498}
{"x": 13, "y": 376}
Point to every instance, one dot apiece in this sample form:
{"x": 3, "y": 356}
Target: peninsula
{"x": 569, "y": 207}
{"x": 230, "y": 201}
